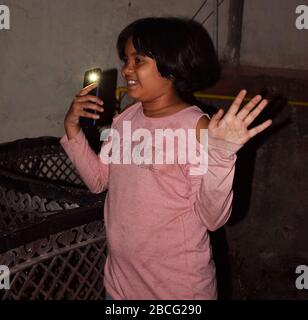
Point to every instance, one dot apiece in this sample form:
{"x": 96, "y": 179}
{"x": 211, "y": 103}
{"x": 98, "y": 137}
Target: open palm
{"x": 233, "y": 127}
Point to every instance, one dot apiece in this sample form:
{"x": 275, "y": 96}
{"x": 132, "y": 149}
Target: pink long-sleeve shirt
{"x": 157, "y": 216}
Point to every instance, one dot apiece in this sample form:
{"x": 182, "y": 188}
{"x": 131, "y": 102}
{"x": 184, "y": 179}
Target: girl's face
{"x": 144, "y": 82}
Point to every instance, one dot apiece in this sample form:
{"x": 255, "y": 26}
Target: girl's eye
{"x": 138, "y": 60}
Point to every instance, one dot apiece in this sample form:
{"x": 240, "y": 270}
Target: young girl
{"x": 157, "y": 216}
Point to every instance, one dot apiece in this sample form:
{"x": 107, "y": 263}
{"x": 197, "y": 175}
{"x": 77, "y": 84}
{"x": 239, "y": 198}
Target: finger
{"x": 216, "y": 117}
{"x": 87, "y": 89}
{"x": 252, "y": 115}
{"x": 237, "y": 102}
{"x": 89, "y": 98}
{"x": 254, "y": 131}
{"x": 91, "y": 106}
{"x": 248, "y": 107}
{"x": 90, "y": 115}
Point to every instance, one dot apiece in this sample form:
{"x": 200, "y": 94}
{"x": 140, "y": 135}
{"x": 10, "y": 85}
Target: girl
{"x": 157, "y": 216}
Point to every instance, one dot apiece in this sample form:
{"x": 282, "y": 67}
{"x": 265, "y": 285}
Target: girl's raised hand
{"x": 233, "y": 126}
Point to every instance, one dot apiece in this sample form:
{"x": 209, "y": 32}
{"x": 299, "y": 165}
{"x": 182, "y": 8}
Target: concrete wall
{"x": 270, "y": 37}
{"x": 52, "y": 43}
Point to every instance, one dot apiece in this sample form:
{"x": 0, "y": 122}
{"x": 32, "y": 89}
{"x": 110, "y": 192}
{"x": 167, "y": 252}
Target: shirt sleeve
{"x": 211, "y": 192}
{"x": 91, "y": 169}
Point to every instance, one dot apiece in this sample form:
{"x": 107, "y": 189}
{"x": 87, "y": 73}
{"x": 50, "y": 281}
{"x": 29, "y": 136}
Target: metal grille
{"x": 39, "y": 158}
{"x": 52, "y": 235}
{"x": 68, "y": 265}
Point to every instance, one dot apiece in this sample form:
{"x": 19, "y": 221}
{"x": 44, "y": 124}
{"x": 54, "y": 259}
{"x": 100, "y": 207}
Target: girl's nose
{"x": 127, "y": 69}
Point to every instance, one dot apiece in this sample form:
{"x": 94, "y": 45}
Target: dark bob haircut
{"x": 182, "y": 49}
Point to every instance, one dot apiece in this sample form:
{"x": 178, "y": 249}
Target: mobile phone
{"x": 105, "y": 90}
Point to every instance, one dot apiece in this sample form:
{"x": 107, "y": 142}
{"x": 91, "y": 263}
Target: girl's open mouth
{"x": 131, "y": 83}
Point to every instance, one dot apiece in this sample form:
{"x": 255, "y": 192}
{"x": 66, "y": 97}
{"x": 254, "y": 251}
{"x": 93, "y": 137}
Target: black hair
{"x": 182, "y": 49}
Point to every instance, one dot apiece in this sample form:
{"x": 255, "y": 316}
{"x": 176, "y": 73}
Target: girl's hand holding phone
{"x": 81, "y": 102}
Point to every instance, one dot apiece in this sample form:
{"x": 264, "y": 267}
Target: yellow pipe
{"x": 120, "y": 90}
{"x": 220, "y": 97}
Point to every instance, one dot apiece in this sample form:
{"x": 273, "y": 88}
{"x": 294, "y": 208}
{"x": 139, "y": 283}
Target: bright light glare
{"x": 93, "y": 77}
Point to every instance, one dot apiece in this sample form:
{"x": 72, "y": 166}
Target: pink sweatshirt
{"x": 157, "y": 216}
